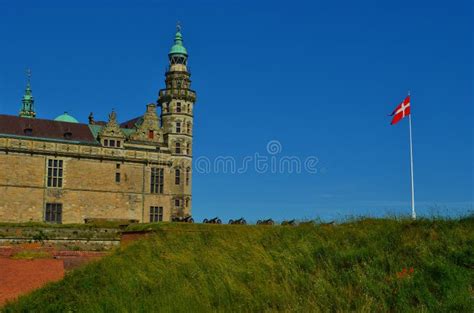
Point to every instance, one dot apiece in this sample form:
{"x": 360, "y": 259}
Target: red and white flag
{"x": 402, "y": 110}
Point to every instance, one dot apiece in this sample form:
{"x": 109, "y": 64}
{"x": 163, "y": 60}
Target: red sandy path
{"x": 18, "y": 277}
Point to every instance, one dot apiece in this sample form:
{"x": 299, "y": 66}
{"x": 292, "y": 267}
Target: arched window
{"x": 188, "y": 175}
{"x": 177, "y": 176}
{"x": 177, "y": 149}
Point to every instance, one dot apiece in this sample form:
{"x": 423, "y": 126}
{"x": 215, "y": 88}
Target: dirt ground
{"x": 18, "y": 277}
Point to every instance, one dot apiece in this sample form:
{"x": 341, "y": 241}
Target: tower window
{"x": 177, "y": 148}
{"x": 188, "y": 174}
{"x": 55, "y": 173}
{"x": 178, "y": 127}
{"x": 117, "y": 177}
{"x": 177, "y": 176}
{"x": 177, "y": 203}
{"x": 178, "y": 107}
{"x": 156, "y": 214}
{"x": 157, "y": 180}
{"x": 53, "y": 213}
{"x": 186, "y": 202}
{"x": 151, "y": 134}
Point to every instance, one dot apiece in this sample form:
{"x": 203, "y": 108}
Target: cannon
{"x": 266, "y": 222}
{"x": 289, "y": 222}
{"x": 214, "y": 220}
{"x": 183, "y": 219}
{"x": 240, "y": 221}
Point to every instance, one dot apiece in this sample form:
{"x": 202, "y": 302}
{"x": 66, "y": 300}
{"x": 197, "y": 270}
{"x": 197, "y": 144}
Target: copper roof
{"x": 45, "y": 129}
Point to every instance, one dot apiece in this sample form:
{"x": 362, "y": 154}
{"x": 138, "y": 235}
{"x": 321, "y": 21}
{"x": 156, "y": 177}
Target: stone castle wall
{"x": 89, "y": 187}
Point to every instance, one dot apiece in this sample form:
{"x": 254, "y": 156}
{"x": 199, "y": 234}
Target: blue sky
{"x": 319, "y": 77}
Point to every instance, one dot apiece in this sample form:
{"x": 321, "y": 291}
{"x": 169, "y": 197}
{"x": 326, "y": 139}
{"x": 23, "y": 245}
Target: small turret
{"x": 27, "y": 108}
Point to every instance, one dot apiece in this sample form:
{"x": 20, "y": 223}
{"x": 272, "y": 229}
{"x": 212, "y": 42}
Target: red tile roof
{"x": 41, "y": 128}
{"x": 131, "y": 123}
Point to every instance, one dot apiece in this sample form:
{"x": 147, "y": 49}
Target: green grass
{"x": 352, "y": 267}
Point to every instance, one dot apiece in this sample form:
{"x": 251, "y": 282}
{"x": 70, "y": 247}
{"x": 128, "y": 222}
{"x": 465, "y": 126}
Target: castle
{"x": 63, "y": 171}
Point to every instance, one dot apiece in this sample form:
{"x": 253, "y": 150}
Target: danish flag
{"x": 402, "y": 110}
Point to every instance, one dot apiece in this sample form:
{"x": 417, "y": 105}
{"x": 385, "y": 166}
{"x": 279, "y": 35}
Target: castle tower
{"x": 27, "y": 107}
{"x": 177, "y": 104}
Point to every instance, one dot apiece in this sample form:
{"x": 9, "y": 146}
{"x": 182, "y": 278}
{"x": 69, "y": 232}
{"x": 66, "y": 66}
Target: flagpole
{"x": 413, "y": 213}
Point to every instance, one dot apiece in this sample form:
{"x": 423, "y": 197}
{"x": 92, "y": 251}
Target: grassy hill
{"x": 365, "y": 266}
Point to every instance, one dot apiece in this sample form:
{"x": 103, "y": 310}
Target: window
{"x": 117, "y": 177}
{"x": 156, "y": 214}
{"x": 53, "y": 213}
{"x": 118, "y": 144}
{"x": 55, "y": 173}
{"x": 106, "y": 142}
{"x": 178, "y": 127}
{"x": 178, "y": 107}
{"x": 157, "y": 180}
{"x": 117, "y": 166}
{"x": 28, "y": 131}
{"x": 67, "y": 135}
{"x": 177, "y": 203}
{"x": 187, "y": 202}
{"x": 151, "y": 134}
{"x": 112, "y": 143}
{"x": 188, "y": 173}
{"x": 177, "y": 176}
{"x": 177, "y": 148}
{"x": 188, "y": 127}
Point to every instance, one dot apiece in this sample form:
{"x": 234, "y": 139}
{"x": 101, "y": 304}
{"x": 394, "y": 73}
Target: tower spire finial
{"x": 178, "y": 26}
{"x": 28, "y": 76}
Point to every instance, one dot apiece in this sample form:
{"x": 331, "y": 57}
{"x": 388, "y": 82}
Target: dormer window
{"x": 67, "y": 135}
{"x": 28, "y": 131}
{"x": 112, "y": 143}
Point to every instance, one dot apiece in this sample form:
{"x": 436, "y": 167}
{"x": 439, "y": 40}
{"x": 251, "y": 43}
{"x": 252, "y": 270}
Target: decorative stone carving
{"x": 149, "y": 130}
{"x": 112, "y": 129}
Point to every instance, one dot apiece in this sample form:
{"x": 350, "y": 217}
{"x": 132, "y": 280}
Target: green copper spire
{"x": 28, "y": 109}
{"x": 178, "y": 47}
